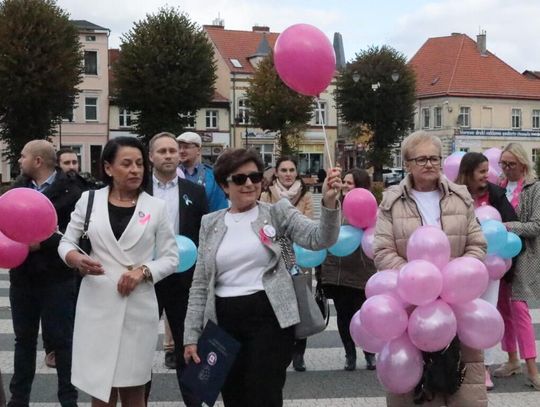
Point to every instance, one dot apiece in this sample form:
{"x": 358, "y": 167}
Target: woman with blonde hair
{"x": 523, "y": 192}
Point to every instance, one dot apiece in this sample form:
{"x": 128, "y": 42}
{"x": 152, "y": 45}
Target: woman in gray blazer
{"x": 241, "y": 282}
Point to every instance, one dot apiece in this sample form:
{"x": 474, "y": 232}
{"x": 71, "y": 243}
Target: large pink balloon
{"x": 451, "y": 165}
{"x": 432, "y": 327}
{"x": 27, "y": 216}
{"x": 382, "y": 282}
{"x": 493, "y": 155}
{"x": 479, "y": 324}
{"x": 464, "y": 279}
{"x": 305, "y": 59}
{"x": 419, "y": 282}
{"x": 429, "y": 243}
{"x": 384, "y": 317}
{"x": 363, "y": 337}
{"x": 493, "y": 175}
{"x": 400, "y": 365}
{"x": 360, "y": 208}
{"x": 496, "y": 266}
{"x": 487, "y": 212}
{"x": 367, "y": 242}
{"x": 12, "y": 254}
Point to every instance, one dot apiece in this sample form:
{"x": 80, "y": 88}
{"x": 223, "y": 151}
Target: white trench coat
{"x": 115, "y": 337}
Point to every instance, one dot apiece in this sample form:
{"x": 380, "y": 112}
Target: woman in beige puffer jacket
{"x": 401, "y": 212}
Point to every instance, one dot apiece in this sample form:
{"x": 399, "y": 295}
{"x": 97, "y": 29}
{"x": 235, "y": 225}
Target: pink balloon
{"x": 419, "y": 282}
{"x": 360, "y": 208}
{"x": 493, "y": 175}
{"x": 464, "y": 279}
{"x": 363, "y": 337}
{"x": 487, "y": 212}
{"x": 479, "y": 324}
{"x": 367, "y": 242}
{"x": 400, "y": 365}
{"x": 12, "y": 254}
{"x": 429, "y": 243}
{"x": 496, "y": 266}
{"x": 508, "y": 264}
{"x": 382, "y": 282}
{"x": 433, "y": 326}
{"x": 27, "y": 216}
{"x": 493, "y": 155}
{"x": 384, "y": 317}
{"x": 451, "y": 165}
{"x": 305, "y": 59}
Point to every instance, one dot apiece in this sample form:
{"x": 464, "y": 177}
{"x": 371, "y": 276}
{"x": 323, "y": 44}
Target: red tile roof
{"x": 240, "y": 45}
{"x": 453, "y": 66}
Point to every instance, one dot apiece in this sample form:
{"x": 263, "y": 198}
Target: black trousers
{"x": 347, "y": 301}
{"x": 258, "y": 374}
{"x": 173, "y": 295}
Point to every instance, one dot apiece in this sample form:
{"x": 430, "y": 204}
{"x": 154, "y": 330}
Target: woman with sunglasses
{"x": 473, "y": 173}
{"x": 426, "y": 197}
{"x": 523, "y": 192}
{"x": 287, "y": 184}
{"x": 241, "y": 282}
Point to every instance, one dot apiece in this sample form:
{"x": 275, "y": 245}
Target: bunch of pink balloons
{"x": 422, "y": 307}
{"x": 26, "y": 217}
{"x": 452, "y": 162}
{"x": 360, "y": 210}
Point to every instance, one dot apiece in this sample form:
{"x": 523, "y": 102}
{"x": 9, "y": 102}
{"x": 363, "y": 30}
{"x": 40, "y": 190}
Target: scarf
{"x": 292, "y": 194}
{"x": 515, "y": 195}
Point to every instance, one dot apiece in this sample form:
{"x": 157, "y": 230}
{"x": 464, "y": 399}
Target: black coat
{"x": 44, "y": 265}
{"x": 497, "y": 199}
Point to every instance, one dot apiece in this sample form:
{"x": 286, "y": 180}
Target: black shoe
{"x": 350, "y": 363}
{"x": 298, "y": 363}
{"x": 370, "y": 361}
{"x": 170, "y": 360}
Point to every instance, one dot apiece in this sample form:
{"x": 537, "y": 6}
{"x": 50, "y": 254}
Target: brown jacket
{"x": 398, "y": 218}
{"x": 304, "y": 204}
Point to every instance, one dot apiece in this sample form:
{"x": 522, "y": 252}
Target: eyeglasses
{"x": 435, "y": 160}
{"x": 508, "y": 164}
{"x": 184, "y": 146}
{"x": 240, "y": 179}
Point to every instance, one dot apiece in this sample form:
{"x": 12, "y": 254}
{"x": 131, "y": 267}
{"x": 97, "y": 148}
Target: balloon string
{"x": 72, "y": 242}
{"x": 326, "y": 143}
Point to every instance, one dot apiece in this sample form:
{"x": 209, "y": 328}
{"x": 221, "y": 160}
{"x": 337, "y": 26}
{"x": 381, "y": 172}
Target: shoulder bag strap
{"x": 88, "y": 211}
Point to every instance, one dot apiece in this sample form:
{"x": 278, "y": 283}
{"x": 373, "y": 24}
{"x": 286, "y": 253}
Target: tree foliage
{"x": 166, "y": 68}
{"x": 40, "y": 68}
{"x": 276, "y": 107}
{"x": 377, "y": 101}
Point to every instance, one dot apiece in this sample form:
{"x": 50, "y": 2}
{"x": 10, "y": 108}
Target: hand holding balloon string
{"x": 82, "y": 261}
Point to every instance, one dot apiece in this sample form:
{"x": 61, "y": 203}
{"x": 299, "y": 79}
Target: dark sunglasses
{"x": 240, "y": 179}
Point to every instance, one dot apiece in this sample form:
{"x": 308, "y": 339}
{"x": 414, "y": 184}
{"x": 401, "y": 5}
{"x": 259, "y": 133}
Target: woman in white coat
{"x": 133, "y": 247}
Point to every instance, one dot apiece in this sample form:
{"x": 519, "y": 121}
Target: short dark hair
{"x": 469, "y": 163}
{"x": 232, "y": 159}
{"x": 284, "y": 158}
{"x": 360, "y": 177}
{"x": 111, "y": 149}
{"x": 64, "y": 150}
{"x": 290, "y": 158}
{"x": 158, "y": 136}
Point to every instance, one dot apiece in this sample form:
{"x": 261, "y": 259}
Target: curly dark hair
{"x": 232, "y": 159}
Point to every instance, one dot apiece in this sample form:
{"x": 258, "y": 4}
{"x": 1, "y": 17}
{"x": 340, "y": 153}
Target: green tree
{"x": 276, "y": 107}
{"x": 166, "y": 68}
{"x": 377, "y": 89}
{"x": 40, "y": 68}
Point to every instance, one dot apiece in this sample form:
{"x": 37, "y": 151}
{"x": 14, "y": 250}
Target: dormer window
{"x": 235, "y": 62}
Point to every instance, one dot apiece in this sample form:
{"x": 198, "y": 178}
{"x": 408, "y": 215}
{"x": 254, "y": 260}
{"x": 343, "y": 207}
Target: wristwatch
{"x": 147, "y": 275}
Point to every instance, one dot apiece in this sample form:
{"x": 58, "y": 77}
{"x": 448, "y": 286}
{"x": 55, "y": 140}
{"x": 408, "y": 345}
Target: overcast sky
{"x": 513, "y": 28}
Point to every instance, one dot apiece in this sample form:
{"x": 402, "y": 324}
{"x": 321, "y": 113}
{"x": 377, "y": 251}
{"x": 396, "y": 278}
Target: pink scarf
{"x": 515, "y": 195}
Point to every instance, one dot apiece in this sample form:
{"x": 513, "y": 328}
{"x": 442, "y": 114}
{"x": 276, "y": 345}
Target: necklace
{"x": 131, "y": 201}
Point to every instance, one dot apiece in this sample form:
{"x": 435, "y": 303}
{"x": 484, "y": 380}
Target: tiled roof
{"x": 87, "y": 25}
{"x": 453, "y": 66}
{"x": 240, "y": 45}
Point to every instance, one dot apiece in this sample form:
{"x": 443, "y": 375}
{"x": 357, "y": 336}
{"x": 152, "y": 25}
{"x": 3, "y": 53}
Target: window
{"x": 516, "y": 118}
{"x": 243, "y": 111}
{"x": 425, "y": 118}
{"x": 437, "y": 117}
{"x": 235, "y": 62}
{"x": 464, "y": 118}
{"x": 309, "y": 163}
{"x": 535, "y": 155}
{"x": 319, "y": 113}
{"x": 189, "y": 120}
{"x": 90, "y": 108}
{"x": 267, "y": 154}
{"x": 124, "y": 118}
{"x": 536, "y": 119}
{"x": 211, "y": 119}
{"x": 464, "y": 149}
{"x": 90, "y": 38}
{"x": 90, "y": 62}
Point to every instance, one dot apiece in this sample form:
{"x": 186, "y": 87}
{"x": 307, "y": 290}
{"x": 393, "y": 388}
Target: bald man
{"x": 42, "y": 289}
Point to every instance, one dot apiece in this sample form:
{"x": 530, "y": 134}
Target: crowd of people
{"x": 99, "y": 310}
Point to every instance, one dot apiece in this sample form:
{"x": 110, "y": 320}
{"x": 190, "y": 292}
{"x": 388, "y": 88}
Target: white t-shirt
{"x": 510, "y": 188}
{"x": 241, "y": 258}
{"x": 429, "y": 206}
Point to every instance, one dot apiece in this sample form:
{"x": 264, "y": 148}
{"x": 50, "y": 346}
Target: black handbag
{"x": 85, "y": 246}
{"x": 322, "y": 302}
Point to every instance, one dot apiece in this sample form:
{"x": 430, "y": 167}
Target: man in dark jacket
{"x": 43, "y": 287}
{"x": 186, "y": 204}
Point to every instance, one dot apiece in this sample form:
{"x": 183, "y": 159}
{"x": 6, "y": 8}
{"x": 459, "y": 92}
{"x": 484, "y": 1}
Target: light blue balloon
{"x": 349, "y": 240}
{"x": 495, "y": 234}
{"x": 308, "y": 258}
{"x": 187, "y": 251}
{"x": 512, "y": 247}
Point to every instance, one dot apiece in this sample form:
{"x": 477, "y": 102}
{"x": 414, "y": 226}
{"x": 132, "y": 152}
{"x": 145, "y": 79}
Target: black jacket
{"x": 497, "y": 199}
{"x": 44, "y": 265}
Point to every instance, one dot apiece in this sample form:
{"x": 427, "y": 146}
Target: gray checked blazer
{"x": 277, "y": 283}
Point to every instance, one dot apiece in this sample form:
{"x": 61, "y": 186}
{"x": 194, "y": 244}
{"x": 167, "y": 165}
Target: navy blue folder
{"x": 217, "y": 351}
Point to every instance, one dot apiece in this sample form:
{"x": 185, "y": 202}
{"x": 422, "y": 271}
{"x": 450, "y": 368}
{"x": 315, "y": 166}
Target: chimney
{"x": 260, "y": 28}
{"x": 481, "y": 43}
